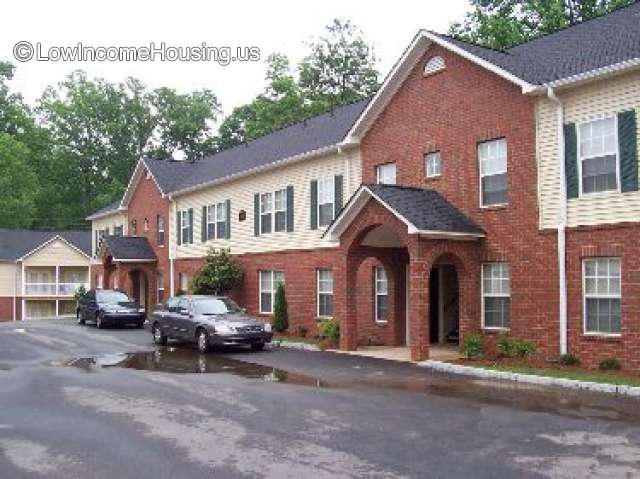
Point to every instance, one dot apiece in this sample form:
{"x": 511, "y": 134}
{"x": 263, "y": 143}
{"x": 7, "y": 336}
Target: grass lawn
{"x": 617, "y": 378}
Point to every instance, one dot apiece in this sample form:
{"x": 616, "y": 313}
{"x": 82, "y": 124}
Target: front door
{"x": 434, "y": 304}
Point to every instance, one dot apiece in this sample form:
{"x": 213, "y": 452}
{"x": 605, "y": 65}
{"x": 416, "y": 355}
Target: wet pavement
{"x": 78, "y": 402}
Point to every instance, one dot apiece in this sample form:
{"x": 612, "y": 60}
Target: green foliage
{"x": 515, "y": 348}
{"x": 219, "y": 274}
{"x": 18, "y": 184}
{"x": 280, "y": 313}
{"x": 329, "y": 329}
{"x": 80, "y": 292}
{"x": 569, "y": 360}
{"x": 502, "y": 24}
{"x": 610, "y": 364}
{"x": 472, "y": 345}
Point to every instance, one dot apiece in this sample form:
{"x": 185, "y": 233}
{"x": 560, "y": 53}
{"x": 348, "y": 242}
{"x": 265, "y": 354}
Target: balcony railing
{"x": 69, "y": 289}
{"x": 52, "y": 289}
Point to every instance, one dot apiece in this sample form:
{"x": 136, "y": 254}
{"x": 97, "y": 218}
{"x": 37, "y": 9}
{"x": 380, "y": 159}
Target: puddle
{"x": 181, "y": 361}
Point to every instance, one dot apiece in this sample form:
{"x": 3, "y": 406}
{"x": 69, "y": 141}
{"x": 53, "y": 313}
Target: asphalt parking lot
{"x": 76, "y": 402}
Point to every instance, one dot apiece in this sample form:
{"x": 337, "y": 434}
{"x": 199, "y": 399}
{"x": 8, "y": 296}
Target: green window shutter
{"x": 203, "y": 233}
{"x": 190, "y": 225}
{"x": 337, "y": 190}
{"x": 628, "y": 147}
{"x": 227, "y": 207}
{"x": 289, "y": 208}
{"x": 313, "y": 213}
{"x": 571, "y": 159}
{"x": 179, "y": 227}
{"x": 256, "y": 214}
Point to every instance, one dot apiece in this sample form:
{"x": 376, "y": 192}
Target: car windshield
{"x": 211, "y": 306}
{"x": 112, "y": 297}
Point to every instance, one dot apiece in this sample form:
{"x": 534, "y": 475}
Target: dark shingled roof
{"x": 107, "y": 209}
{"x": 427, "y": 210}
{"x": 15, "y": 244}
{"x": 129, "y": 248}
{"x": 593, "y": 44}
{"x": 317, "y": 132}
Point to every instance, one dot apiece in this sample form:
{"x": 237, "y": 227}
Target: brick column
{"x": 345, "y": 296}
{"x": 419, "y": 269}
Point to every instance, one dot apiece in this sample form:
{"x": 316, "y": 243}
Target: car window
{"x": 112, "y": 297}
{"x": 172, "y": 304}
{"x": 183, "y": 304}
{"x": 212, "y": 306}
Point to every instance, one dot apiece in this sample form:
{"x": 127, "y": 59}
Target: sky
{"x": 274, "y": 26}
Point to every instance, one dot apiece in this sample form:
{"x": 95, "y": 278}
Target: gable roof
{"x": 425, "y": 212}
{"x": 15, "y": 244}
{"x": 106, "y": 211}
{"x": 128, "y": 248}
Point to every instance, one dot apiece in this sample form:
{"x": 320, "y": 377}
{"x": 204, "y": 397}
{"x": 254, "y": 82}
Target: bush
{"x": 569, "y": 360}
{"x": 219, "y": 274}
{"x": 514, "y": 348}
{"x": 610, "y": 364}
{"x": 280, "y": 313}
{"x": 473, "y": 345}
{"x": 80, "y": 292}
{"x": 329, "y": 329}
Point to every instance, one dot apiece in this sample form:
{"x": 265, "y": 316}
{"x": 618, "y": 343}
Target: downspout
{"x": 171, "y": 244}
{"x": 562, "y": 223}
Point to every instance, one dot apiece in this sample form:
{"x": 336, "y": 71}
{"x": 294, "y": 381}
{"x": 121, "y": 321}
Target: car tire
{"x": 79, "y": 318}
{"x": 140, "y": 325}
{"x": 159, "y": 337}
{"x": 202, "y": 341}
{"x": 99, "y": 321}
{"x": 257, "y": 346}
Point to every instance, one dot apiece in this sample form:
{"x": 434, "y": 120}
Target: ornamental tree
{"x": 219, "y": 274}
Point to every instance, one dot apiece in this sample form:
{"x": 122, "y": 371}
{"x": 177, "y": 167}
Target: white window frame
{"x": 581, "y": 194}
{"x": 322, "y": 183}
{"x": 501, "y": 172}
{"x": 184, "y": 225}
{"x": 325, "y": 293}
{"x": 283, "y": 209}
{"x": 213, "y": 213}
{"x": 161, "y": 229}
{"x": 379, "y": 176}
{"x": 494, "y": 295}
{"x": 377, "y": 294}
{"x": 183, "y": 280}
{"x": 428, "y": 164}
{"x": 274, "y": 288}
{"x": 599, "y": 296}
{"x": 266, "y": 212}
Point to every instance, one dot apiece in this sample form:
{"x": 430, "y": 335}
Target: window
{"x": 492, "y": 156}
{"x": 160, "y": 224}
{"x": 183, "y": 279}
{"x": 496, "y": 295}
{"x": 326, "y": 198}
{"x": 280, "y": 215}
{"x": 134, "y": 227}
{"x": 160, "y": 286}
{"x": 185, "y": 227}
{"x": 598, "y": 155}
{"x": 217, "y": 221}
{"x": 382, "y": 286}
{"x": 602, "y": 295}
{"x": 118, "y": 230}
{"x": 325, "y": 293}
{"x": 434, "y": 65}
{"x": 386, "y": 174}
{"x": 269, "y": 281}
{"x": 266, "y": 210}
{"x": 433, "y": 164}
{"x": 146, "y": 225}
{"x": 99, "y": 281}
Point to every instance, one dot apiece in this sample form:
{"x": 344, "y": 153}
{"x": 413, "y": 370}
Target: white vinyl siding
{"x": 386, "y": 174}
{"x": 496, "y": 296}
{"x": 492, "y": 158}
{"x": 8, "y": 280}
{"x": 602, "y": 296}
{"x": 326, "y": 199}
{"x": 325, "y": 293}
{"x": 381, "y": 295}
{"x": 112, "y": 222}
{"x": 57, "y": 253}
{"x": 269, "y": 281}
{"x": 582, "y": 104}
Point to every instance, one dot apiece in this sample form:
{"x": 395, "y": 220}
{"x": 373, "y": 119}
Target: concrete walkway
{"x": 437, "y": 352}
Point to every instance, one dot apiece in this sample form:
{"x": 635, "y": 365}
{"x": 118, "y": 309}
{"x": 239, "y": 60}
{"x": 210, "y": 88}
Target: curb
{"x": 295, "y": 345}
{"x": 620, "y": 390}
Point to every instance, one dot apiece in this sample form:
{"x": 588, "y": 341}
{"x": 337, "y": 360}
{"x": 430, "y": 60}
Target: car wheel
{"x": 99, "y": 321}
{"x": 79, "y": 318}
{"x": 140, "y": 325}
{"x": 158, "y": 336}
{"x": 257, "y": 346}
{"x": 203, "y": 341}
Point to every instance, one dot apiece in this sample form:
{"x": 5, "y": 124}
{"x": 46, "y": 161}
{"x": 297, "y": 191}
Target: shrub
{"x": 80, "y": 292}
{"x": 610, "y": 364}
{"x": 569, "y": 360}
{"x": 514, "y": 348}
{"x": 280, "y": 313}
{"x": 219, "y": 274}
{"x": 473, "y": 345}
{"x": 329, "y": 329}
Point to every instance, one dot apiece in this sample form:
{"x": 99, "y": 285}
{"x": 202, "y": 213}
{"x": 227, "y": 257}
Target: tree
{"x": 18, "y": 184}
{"x": 502, "y": 24}
{"x": 219, "y": 274}
{"x": 280, "y": 313}
{"x": 340, "y": 69}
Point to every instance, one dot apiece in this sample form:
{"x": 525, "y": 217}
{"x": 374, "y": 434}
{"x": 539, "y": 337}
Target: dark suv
{"x": 109, "y": 307}
{"x": 208, "y": 321}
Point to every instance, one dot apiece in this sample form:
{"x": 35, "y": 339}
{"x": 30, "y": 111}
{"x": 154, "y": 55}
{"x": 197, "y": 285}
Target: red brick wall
{"x": 6, "y": 309}
{"x": 452, "y": 112}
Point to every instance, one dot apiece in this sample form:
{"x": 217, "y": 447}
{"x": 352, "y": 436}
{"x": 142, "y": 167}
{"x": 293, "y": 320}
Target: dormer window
{"x": 434, "y": 65}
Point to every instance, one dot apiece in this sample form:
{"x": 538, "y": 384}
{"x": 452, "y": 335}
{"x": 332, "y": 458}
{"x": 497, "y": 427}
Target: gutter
{"x": 562, "y": 223}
